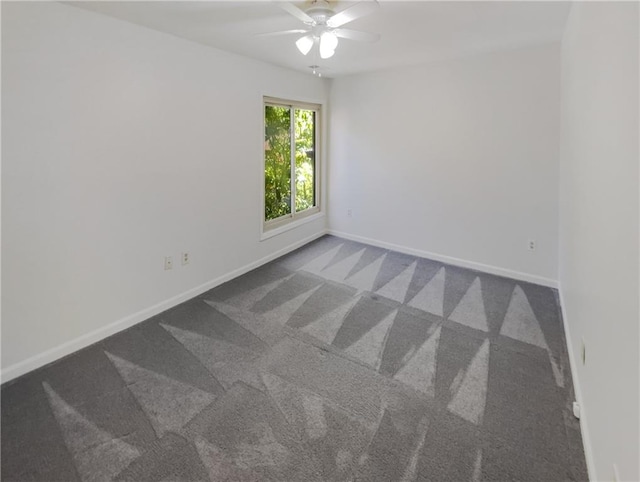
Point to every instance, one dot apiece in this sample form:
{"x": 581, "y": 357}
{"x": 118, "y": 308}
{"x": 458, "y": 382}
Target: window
{"x": 290, "y": 161}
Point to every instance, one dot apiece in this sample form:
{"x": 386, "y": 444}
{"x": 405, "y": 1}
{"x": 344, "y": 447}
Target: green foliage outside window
{"x": 278, "y": 160}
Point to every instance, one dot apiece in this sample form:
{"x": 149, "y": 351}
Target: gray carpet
{"x": 339, "y": 361}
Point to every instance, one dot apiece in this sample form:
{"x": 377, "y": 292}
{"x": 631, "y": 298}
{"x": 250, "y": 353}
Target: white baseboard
{"x": 44, "y": 358}
{"x": 463, "y": 263}
{"x": 586, "y": 440}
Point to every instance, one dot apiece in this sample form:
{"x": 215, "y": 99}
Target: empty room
{"x": 320, "y": 241}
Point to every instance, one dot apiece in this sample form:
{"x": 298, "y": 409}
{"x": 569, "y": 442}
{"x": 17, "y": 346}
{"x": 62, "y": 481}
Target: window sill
{"x": 270, "y": 233}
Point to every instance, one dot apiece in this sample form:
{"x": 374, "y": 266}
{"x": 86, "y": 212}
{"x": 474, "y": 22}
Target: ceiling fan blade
{"x": 357, "y": 35}
{"x": 348, "y": 15}
{"x": 296, "y": 12}
{"x": 281, "y": 32}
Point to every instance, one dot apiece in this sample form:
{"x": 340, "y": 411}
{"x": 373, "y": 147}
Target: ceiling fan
{"x": 323, "y": 25}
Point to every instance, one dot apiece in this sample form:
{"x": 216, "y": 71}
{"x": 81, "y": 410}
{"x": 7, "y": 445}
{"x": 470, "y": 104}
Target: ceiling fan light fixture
{"x": 325, "y": 54}
{"x": 328, "y": 44}
{"x": 304, "y": 44}
{"x": 323, "y": 26}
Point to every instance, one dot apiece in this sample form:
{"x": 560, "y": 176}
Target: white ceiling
{"x": 412, "y": 32}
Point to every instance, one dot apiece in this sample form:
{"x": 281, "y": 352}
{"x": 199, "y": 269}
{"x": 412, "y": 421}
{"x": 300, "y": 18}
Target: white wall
{"x": 458, "y": 158}
{"x": 122, "y": 145}
{"x": 599, "y": 227}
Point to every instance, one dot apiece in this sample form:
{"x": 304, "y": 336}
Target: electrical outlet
{"x": 583, "y": 352}
{"x": 349, "y": 213}
{"x": 532, "y": 245}
{"x": 576, "y": 410}
{"x": 185, "y": 259}
{"x": 168, "y": 262}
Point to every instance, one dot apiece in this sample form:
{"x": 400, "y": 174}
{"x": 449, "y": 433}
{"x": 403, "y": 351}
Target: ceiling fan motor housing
{"x": 320, "y": 11}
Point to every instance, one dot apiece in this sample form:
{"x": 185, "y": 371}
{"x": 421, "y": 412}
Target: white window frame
{"x": 284, "y": 223}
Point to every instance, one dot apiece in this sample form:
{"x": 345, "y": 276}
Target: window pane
{"x": 277, "y": 162}
{"x": 305, "y": 130}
